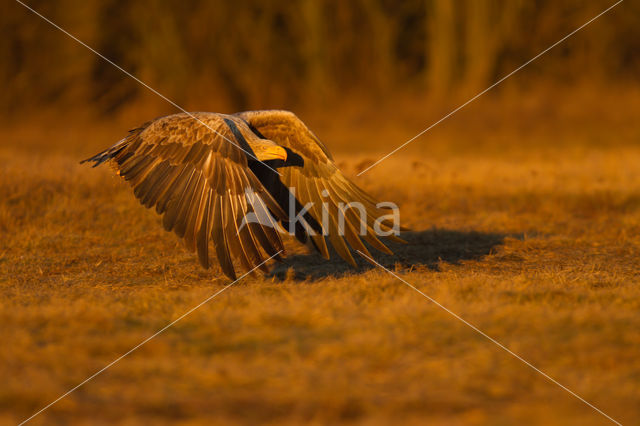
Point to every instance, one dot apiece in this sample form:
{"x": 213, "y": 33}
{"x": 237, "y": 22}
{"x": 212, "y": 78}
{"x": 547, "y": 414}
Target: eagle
{"x": 240, "y": 180}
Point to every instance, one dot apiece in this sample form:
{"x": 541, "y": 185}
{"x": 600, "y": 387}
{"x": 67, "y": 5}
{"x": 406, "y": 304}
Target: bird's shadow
{"x": 423, "y": 248}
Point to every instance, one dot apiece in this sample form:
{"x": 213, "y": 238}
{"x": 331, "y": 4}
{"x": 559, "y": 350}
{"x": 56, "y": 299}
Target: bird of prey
{"x": 206, "y": 173}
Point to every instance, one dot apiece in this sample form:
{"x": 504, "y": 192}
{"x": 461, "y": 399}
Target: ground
{"x": 530, "y": 232}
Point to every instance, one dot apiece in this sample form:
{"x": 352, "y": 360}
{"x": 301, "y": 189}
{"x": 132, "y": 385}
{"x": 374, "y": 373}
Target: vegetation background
{"x": 524, "y": 206}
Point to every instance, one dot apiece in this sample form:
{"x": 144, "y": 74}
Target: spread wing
{"x": 317, "y": 180}
{"x": 195, "y": 174}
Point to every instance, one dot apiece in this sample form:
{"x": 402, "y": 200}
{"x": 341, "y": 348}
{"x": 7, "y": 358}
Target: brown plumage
{"x": 206, "y": 172}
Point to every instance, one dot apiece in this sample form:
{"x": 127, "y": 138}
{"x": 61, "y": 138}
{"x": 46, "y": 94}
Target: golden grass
{"x": 537, "y": 245}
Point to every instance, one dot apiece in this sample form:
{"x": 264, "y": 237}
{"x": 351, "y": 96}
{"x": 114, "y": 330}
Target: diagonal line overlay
{"x": 500, "y": 345}
{"x": 141, "y": 82}
{"x": 97, "y": 373}
{"x": 490, "y": 87}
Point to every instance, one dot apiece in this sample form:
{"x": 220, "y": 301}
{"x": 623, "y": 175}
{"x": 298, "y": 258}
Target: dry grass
{"x": 537, "y": 245}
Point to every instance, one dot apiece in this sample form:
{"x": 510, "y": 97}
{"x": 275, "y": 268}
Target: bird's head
{"x": 265, "y": 149}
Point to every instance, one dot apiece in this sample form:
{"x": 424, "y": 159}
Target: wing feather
{"x": 348, "y": 219}
{"x": 244, "y": 230}
{"x": 173, "y": 218}
{"x": 356, "y": 221}
{"x": 197, "y": 180}
{"x": 232, "y": 233}
{"x": 178, "y": 180}
{"x": 334, "y": 230}
{"x": 202, "y": 239}
{"x": 222, "y": 246}
{"x": 266, "y": 231}
{"x": 194, "y": 216}
{"x": 306, "y": 188}
{"x": 313, "y": 173}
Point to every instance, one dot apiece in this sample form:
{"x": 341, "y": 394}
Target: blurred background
{"x": 413, "y": 60}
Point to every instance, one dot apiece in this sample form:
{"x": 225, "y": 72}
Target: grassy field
{"x": 526, "y": 224}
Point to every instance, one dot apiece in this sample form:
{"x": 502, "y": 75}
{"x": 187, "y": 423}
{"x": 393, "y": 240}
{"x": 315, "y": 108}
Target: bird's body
{"x": 207, "y": 173}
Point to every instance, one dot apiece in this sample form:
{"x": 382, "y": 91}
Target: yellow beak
{"x": 275, "y": 152}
